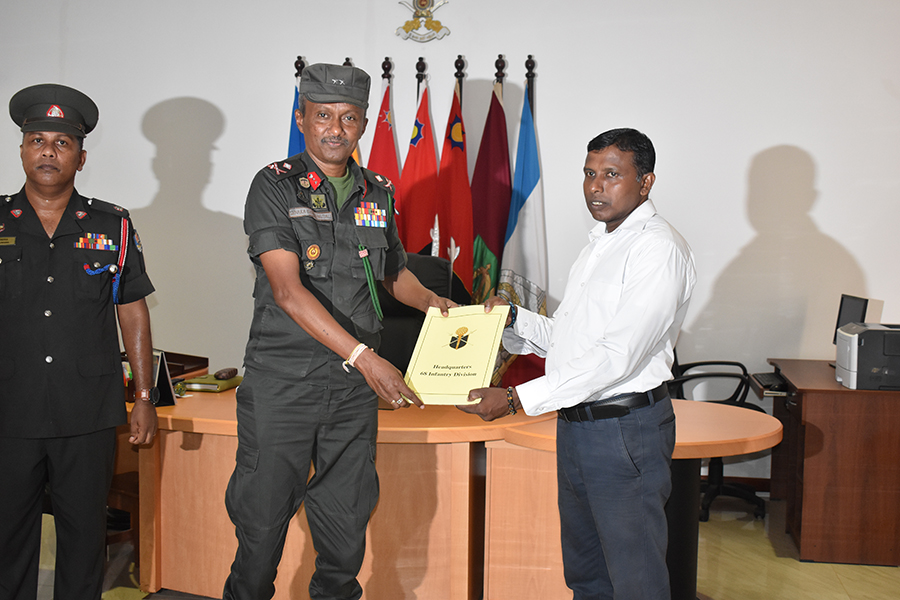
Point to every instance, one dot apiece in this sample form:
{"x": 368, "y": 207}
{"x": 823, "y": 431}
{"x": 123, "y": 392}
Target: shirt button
{"x": 48, "y": 360}
{"x": 52, "y": 245}
{"x": 50, "y": 279}
{"x": 48, "y": 313}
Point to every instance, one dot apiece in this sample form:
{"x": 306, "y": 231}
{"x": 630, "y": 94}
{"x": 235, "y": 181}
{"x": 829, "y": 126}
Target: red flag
{"x": 455, "y": 207}
{"x": 491, "y": 191}
{"x": 383, "y": 154}
{"x": 417, "y": 192}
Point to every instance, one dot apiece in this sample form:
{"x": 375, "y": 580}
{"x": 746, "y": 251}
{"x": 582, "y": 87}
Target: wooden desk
{"x": 424, "y": 539}
{"x": 839, "y": 468}
{"x": 523, "y": 558}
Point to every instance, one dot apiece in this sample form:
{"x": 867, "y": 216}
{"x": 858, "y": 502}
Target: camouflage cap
{"x": 53, "y": 107}
{"x": 324, "y": 84}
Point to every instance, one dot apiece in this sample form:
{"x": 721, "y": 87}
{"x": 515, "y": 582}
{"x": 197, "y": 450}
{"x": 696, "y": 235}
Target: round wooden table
{"x": 703, "y": 430}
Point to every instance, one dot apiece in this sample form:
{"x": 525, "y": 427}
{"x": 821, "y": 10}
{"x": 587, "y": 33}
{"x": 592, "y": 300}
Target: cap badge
{"x": 337, "y": 82}
{"x": 55, "y": 111}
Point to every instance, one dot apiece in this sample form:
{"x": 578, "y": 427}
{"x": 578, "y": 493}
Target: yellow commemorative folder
{"x": 456, "y": 353}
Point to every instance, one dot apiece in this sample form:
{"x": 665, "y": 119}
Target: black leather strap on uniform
{"x": 612, "y": 407}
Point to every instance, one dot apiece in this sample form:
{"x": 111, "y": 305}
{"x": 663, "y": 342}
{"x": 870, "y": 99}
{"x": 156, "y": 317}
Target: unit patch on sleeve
{"x": 369, "y": 215}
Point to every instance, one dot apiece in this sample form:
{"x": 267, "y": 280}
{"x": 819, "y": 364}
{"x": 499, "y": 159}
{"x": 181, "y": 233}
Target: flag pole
{"x": 420, "y": 76}
{"x": 460, "y": 64}
{"x": 499, "y": 64}
{"x": 529, "y": 82}
{"x": 386, "y": 68}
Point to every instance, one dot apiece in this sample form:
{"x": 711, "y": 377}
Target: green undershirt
{"x": 342, "y": 187}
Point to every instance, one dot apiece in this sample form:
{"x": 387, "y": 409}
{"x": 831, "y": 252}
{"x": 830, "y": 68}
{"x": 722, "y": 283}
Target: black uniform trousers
{"x": 79, "y": 471}
{"x": 282, "y": 428}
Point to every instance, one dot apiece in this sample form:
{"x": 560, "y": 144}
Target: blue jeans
{"x": 614, "y": 480}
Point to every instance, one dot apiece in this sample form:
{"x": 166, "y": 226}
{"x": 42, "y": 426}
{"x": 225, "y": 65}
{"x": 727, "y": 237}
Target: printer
{"x": 868, "y": 356}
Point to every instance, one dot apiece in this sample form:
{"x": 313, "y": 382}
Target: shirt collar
{"x": 315, "y": 176}
{"x": 636, "y": 221}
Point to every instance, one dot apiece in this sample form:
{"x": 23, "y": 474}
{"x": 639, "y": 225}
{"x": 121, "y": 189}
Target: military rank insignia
{"x": 368, "y": 214}
{"x": 96, "y": 241}
{"x": 318, "y": 201}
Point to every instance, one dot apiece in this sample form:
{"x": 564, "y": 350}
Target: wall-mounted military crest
{"x": 423, "y": 27}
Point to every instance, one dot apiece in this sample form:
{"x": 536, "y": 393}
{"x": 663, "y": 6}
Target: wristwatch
{"x": 152, "y": 395}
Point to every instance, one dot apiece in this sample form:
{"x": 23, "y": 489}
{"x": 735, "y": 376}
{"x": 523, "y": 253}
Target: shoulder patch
{"x": 285, "y": 168}
{"x": 379, "y": 180}
{"x": 107, "y": 207}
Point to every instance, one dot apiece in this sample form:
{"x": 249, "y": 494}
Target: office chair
{"x": 401, "y": 323}
{"x": 715, "y": 484}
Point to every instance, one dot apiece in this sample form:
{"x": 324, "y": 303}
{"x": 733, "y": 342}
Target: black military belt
{"x": 612, "y": 407}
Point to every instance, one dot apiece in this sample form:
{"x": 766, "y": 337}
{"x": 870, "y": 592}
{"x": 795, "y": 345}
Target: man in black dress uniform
{"x": 69, "y": 266}
{"x": 322, "y": 234}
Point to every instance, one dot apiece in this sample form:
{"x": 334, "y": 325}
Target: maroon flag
{"x": 491, "y": 191}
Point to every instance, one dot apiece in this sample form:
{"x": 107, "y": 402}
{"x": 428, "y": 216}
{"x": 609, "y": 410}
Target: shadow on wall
{"x": 779, "y": 297}
{"x": 196, "y": 257}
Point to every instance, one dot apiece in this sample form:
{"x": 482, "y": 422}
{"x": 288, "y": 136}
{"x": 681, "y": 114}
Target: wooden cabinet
{"x": 838, "y": 467}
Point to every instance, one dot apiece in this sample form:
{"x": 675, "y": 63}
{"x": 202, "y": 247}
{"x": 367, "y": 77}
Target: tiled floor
{"x": 739, "y": 558}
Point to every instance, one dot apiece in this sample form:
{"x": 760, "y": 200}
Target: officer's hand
{"x": 492, "y": 406}
{"x": 493, "y": 301}
{"x": 442, "y": 304}
{"x": 143, "y": 422}
{"x": 386, "y": 381}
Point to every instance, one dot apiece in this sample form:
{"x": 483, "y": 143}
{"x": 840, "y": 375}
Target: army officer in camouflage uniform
{"x": 322, "y": 234}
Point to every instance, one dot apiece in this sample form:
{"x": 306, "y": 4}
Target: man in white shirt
{"x": 609, "y": 351}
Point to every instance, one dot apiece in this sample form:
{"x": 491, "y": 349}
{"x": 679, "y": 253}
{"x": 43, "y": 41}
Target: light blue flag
{"x": 523, "y": 272}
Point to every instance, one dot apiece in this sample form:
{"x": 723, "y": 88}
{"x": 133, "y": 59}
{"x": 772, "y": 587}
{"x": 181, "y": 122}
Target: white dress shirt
{"x": 615, "y": 329}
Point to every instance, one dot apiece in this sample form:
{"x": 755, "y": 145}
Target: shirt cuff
{"x": 531, "y": 394}
{"x": 274, "y": 238}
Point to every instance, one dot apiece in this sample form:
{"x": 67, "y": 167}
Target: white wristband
{"x": 353, "y": 356}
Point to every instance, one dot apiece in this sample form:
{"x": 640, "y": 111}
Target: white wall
{"x": 776, "y": 122}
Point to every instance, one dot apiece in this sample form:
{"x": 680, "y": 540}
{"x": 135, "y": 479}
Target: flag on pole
{"x": 455, "y": 206}
{"x": 490, "y": 199}
{"x": 296, "y": 143}
{"x": 524, "y": 273}
{"x": 416, "y": 197}
{"x": 384, "y": 159}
